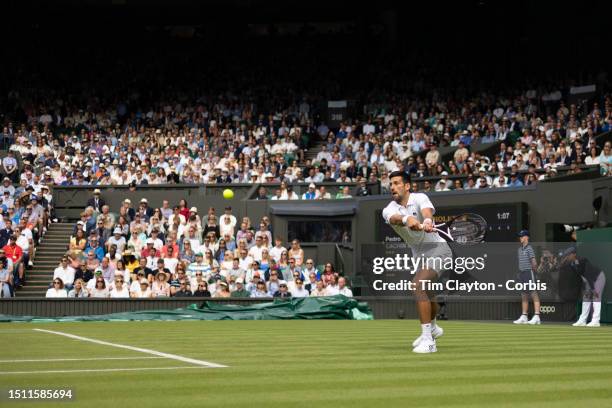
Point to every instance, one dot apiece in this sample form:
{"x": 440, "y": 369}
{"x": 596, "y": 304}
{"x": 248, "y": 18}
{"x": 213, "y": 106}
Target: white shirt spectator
{"x": 299, "y": 292}
{"x": 56, "y": 293}
{"x": 346, "y": 292}
{"x": 171, "y": 264}
{"x": 65, "y": 274}
{"x": 255, "y": 252}
{"x": 276, "y": 252}
{"x": 119, "y": 293}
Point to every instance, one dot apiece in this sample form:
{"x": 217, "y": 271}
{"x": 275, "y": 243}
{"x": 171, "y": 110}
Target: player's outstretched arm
{"x": 405, "y": 220}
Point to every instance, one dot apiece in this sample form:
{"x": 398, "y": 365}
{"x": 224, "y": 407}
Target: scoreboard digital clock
{"x": 504, "y": 221}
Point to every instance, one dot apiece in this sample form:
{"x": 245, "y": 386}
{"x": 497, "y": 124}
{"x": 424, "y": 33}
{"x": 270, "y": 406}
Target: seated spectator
{"x": 222, "y": 290}
{"x": 183, "y": 289}
{"x": 201, "y": 290}
{"x": 79, "y": 290}
{"x": 57, "y": 291}
{"x": 118, "y": 240}
{"x": 66, "y": 273}
{"x": 143, "y": 291}
{"x": 78, "y": 242}
{"x": 6, "y": 277}
{"x": 283, "y": 291}
{"x": 342, "y": 288}
{"x": 298, "y": 290}
{"x": 160, "y": 287}
{"x": 119, "y": 289}
{"x": 261, "y": 291}
{"x": 344, "y": 192}
{"x": 240, "y": 290}
{"x": 319, "y": 290}
{"x": 99, "y": 290}
{"x": 312, "y": 193}
{"x": 15, "y": 254}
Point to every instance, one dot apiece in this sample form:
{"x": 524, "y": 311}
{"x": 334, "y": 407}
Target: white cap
{"x": 117, "y": 231}
{"x": 312, "y": 185}
{"x": 144, "y": 200}
{"x": 193, "y": 209}
{"x": 444, "y": 173}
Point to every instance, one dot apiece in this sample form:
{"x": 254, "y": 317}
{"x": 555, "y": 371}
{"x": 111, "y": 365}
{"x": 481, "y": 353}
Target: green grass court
{"x": 311, "y": 363}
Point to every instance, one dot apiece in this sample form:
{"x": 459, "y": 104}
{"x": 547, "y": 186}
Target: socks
{"x": 426, "y": 329}
{"x": 586, "y": 308}
{"x": 433, "y": 324}
{"x": 596, "y": 312}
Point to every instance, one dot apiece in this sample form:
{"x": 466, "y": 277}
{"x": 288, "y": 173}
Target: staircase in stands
{"x": 48, "y": 255}
{"x": 313, "y": 151}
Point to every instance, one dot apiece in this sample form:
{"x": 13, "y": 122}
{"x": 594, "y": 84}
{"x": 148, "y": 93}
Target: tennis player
{"x": 411, "y": 216}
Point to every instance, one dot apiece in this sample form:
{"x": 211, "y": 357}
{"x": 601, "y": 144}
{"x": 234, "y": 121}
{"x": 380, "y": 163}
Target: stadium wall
{"x": 387, "y": 308}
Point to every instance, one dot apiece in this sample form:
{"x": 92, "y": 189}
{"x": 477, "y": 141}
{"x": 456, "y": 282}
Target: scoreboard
{"x": 504, "y": 221}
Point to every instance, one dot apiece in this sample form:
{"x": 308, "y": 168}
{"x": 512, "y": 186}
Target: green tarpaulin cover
{"x": 332, "y": 307}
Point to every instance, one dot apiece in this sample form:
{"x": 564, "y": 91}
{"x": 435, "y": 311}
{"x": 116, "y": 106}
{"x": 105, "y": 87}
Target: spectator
{"x": 96, "y": 202}
{"x": 65, "y": 273}
{"x": 119, "y": 289}
{"x": 260, "y": 291}
{"x": 222, "y": 290}
{"x": 319, "y": 290}
{"x": 160, "y": 287}
{"x": 183, "y": 290}
{"x": 202, "y": 290}
{"x": 57, "y": 291}
{"x": 15, "y": 254}
{"x": 299, "y": 291}
{"x": 343, "y": 193}
{"x": 143, "y": 291}
{"x": 99, "y": 290}
{"x": 79, "y": 290}
{"x": 342, "y": 288}
{"x": 240, "y": 291}
{"x": 283, "y": 291}
{"x": 6, "y": 277}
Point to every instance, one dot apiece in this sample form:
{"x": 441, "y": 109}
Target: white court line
{"x": 42, "y": 360}
{"x": 142, "y": 350}
{"x": 100, "y": 370}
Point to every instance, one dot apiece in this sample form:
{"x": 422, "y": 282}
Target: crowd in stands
{"x": 26, "y": 213}
{"x": 222, "y": 142}
{"x": 174, "y": 251}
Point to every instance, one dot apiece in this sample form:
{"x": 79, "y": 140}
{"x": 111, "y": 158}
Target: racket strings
{"x": 467, "y": 230}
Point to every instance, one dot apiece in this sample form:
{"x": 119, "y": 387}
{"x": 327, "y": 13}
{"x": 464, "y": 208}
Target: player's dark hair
{"x": 404, "y": 175}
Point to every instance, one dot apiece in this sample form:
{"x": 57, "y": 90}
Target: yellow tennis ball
{"x": 228, "y": 194}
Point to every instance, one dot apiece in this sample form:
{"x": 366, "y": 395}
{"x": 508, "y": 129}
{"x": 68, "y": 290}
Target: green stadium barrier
{"x": 337, "y": 307}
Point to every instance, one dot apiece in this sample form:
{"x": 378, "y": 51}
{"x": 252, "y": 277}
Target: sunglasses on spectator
{"x": 56, "y": 283}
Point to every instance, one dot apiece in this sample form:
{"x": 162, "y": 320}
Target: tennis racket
{"x": 467, "y": 228}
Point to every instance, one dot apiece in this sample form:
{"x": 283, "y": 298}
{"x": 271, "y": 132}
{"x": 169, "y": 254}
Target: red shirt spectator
{"x": 175, "y": 251}
{"x": 150, "y": 251}
{"x": 13, "y": 251}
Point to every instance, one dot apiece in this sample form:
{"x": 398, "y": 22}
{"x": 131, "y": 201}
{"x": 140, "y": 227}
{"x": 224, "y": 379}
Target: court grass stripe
{"x": 97, "y": 370}
{"x": 44, "y": 360}
{"x": 139, "y": 349}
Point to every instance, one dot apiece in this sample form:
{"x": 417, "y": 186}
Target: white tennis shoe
{"x": 425, "y": 346}
{"x": 435, "y": 333}
{"x": 535, "y": 320}
{"x": 521, "y": 320}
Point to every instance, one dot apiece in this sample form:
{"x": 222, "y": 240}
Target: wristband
{"x": 405, "y": 219}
